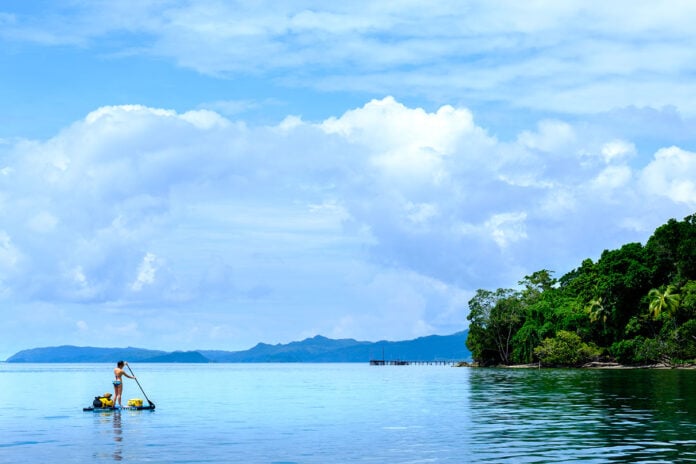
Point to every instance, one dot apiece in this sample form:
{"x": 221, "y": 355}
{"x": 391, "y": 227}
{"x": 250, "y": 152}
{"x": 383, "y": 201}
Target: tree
{"x": 662, "y": 248}
{"x": 687, "y": 303}
{"x": 623, "y": 278}
{"x": 494, "y": 319}
{"x": 536, "y": 284}
{"x": 581, "y": 282}
{"x": 506, "y": 319}
{"x": 597, "y": 311}
{"x": 667, "y": 301}
{"x": 672, "y": 248}
{"x": 687, "y": 250}
{"x": 480, "y": 341}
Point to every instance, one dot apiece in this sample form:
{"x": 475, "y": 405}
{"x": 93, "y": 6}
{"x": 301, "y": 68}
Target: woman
{"x": 118, "y": 382}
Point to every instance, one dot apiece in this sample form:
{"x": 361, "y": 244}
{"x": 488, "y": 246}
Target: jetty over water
{"x": 398, "y": 362}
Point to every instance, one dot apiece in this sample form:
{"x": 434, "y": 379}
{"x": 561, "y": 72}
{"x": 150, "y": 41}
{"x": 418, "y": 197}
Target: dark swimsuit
{"x": 117, "y": 383}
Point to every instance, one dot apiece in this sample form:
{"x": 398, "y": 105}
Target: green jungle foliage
{"x": 635, "y": 305}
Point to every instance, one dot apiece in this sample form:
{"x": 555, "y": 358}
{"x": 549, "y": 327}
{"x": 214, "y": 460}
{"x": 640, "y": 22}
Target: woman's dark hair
{"x": 119, "y": 364}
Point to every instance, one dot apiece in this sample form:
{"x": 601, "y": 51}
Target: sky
{"x": 205, "y": 174}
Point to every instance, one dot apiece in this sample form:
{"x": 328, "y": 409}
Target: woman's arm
{"x": 125, "y": 373}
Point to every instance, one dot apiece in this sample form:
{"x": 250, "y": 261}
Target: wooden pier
{"x": 398, "y": 362}
{"x": 401, "y": 362}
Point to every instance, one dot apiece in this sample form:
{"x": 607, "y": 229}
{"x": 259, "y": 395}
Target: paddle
{"x": 152, "y": 405}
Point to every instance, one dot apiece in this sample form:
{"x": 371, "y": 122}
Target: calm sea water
{"x": 335, "y": 413}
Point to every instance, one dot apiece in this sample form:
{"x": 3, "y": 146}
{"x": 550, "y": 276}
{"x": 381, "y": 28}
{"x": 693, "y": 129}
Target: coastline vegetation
{"x": 635, "y": 306}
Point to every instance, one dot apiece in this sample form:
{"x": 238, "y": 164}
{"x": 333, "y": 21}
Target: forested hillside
{"x": 635, "y": 305}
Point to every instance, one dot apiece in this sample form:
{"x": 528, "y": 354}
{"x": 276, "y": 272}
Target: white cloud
{"x": 569, "y": 57}
{"x": 672, "y": 174}
{"x": 612, "y": 177}
{"x": 159, "y": 209}
{"x": 204, "y": 119}
{"x": 507, "y": 228}
{"x": 146, "y": 272}
{"x": 551, "y": 136}
{"x": 121, "y": 112}
{"x": 617, "y": 150}
{"x": 387, "y": 123}
{"x": 408, "y": 146}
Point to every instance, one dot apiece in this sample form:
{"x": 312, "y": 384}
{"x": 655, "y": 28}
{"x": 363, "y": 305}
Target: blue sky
{"x": 209, "y": 174}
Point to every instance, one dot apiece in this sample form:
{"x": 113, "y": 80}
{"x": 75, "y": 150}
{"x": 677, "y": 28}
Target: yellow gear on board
{"x": 135, "y": 402}
{"x": 106, "y": 402}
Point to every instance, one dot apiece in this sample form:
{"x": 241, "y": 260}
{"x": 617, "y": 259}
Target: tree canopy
{"x": 634, "y": 305}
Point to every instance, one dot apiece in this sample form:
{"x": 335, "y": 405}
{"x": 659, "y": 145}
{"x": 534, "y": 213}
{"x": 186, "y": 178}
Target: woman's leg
{"x": 119, "y": 391}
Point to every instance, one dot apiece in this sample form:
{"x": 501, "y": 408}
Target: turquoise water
{"x": 334, "y": 413}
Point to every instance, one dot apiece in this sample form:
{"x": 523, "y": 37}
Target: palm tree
{"x": 660, "y": 302}
{"x": 597, "y": 311}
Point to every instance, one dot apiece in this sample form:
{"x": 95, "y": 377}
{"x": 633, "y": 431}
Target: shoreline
{"x": 590, "y": 365}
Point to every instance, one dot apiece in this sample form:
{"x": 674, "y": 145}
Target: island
{"x": 432, "y": 348}
{"x": 634, "y": 306}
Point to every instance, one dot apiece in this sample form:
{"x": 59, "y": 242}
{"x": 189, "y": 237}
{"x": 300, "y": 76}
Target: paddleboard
{"x": 124, "y": 408}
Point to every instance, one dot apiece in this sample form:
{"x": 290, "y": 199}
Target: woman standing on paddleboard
{"x": 118, "y": 382}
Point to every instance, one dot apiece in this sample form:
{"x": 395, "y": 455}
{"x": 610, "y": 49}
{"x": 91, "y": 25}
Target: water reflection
{"x": 587, "y": 415}
{"x": 118, "y": 437}
{"x": 109, "y": 430}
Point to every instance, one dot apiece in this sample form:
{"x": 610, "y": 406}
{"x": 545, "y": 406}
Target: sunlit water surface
{"x": 334, "y": 413}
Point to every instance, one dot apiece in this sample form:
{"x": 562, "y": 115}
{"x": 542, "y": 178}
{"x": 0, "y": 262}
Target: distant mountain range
{"x": 316, "y": 349}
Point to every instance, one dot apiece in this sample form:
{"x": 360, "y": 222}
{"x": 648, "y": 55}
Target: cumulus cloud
{"x": 672, "y": 174}
{"x": 381, "y": 213}
{"x": 407, "y": 145}
{"x": 617, "y": 150}
{"x": 612, "y": 177}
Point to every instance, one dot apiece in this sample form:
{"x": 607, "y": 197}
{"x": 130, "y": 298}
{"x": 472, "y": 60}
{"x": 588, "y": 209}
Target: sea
{"x": 348, "y": 413}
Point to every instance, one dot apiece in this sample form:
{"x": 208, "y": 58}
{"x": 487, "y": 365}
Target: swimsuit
{"x": 117, "y": 383}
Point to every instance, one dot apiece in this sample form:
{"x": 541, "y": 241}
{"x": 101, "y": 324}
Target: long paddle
{"x": 152, "y": 405}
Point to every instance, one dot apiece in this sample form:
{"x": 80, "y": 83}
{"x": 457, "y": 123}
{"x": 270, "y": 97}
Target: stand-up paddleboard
{"x": 151, "y": 407}
{"x": 131, "y": 407}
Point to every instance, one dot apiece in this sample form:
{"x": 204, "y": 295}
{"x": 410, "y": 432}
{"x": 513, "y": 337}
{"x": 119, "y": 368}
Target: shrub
{"x": 651, "y": 351}
{"x": 685, "y": 343}
{"x": 642, "y": 351}
{"x": 565, "y": 349}
{"x": 624, "y": 351}
{"x": 639, "y": 350}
